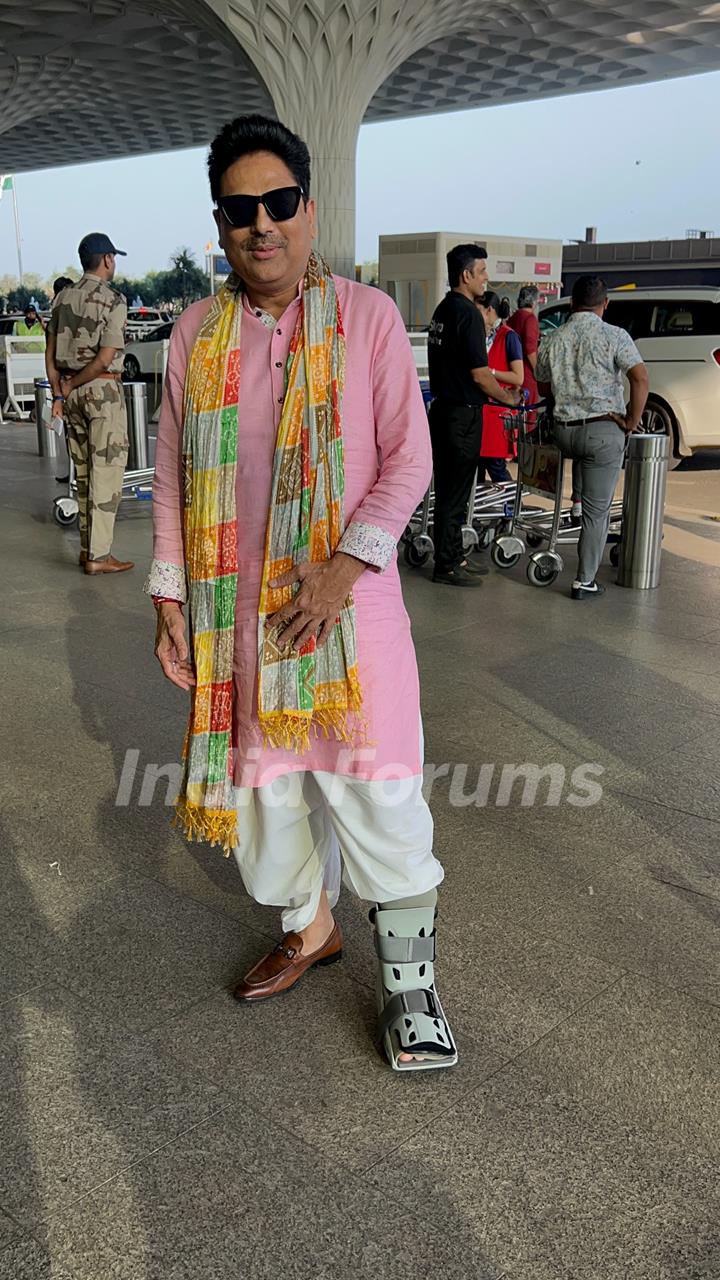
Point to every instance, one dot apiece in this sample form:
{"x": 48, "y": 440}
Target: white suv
{"x": 677, "y": 332}
{"x": 141, "y": 320}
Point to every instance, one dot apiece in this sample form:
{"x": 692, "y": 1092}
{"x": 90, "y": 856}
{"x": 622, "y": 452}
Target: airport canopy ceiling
{"x": 84, "y": 80}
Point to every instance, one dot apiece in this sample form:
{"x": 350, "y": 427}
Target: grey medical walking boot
{"x": 410, "y": 1017}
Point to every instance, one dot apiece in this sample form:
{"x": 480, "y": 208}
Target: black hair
{"x": 460, "y": 257}
{"x": 90, "y": 261}
{"x": 500, "y": 306}
{"x": 589, "y": 292}
{"x": 247, "y": 134}
{"x": 528, "y": 296}
{"x": 61, "y": 283}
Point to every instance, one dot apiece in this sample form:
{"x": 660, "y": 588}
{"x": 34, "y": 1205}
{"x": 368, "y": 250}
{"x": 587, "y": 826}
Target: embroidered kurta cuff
{"x": 167, "y": 580}
{"x": 368, "y": 542}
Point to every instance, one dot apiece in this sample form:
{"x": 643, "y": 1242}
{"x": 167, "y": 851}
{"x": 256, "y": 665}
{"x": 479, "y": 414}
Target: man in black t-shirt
{"x": 460, "y": 384}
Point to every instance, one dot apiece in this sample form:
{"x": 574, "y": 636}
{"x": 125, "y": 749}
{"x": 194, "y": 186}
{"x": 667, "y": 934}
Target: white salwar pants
{"x": 296, "y": 832}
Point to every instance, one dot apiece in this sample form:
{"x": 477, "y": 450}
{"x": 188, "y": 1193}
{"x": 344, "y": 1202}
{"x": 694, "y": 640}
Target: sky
{"x": 638, "y": 163}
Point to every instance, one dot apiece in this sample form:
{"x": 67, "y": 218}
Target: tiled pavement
{"x": 150, "y": 1129}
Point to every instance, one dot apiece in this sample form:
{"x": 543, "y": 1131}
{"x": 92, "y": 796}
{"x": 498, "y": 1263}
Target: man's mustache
{"x": 263, "y": 242}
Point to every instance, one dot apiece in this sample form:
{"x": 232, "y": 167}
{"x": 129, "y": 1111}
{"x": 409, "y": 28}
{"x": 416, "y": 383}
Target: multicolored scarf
{"x": 316, "y": 689}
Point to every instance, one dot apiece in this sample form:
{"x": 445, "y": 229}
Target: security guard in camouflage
{"x": 85, "y": 343}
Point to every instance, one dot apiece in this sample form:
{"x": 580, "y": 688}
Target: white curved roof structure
{"x": 85, "y": 80}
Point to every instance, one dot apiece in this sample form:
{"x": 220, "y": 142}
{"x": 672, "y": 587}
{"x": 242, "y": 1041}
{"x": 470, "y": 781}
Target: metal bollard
{"x": 47, "y": 439}
{"x": 643, "y": 508}
{"x": 137, "y": 422}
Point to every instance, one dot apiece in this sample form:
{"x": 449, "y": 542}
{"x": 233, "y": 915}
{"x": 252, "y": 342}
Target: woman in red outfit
{"x": 526, "y": 325}
{"x": 505, "y": 359}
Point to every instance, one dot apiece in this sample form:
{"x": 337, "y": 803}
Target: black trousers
{"x": 455, "y": 433}
{"x": 496, "y": 469}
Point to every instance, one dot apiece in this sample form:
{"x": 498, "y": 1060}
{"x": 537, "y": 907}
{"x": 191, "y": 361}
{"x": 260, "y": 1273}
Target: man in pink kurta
{"x": 300, "y": 815}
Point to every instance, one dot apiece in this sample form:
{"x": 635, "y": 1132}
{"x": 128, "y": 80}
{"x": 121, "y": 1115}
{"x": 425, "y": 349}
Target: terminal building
{"x": 413, "y": 268}
{"x": 643, "y": 264}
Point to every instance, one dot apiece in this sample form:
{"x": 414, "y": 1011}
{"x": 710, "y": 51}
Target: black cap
{"x": 98, "y": 242}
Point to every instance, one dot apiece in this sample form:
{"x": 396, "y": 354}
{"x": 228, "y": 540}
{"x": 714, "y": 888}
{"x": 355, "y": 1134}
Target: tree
{"x": 20, "y": 297}
{"x": 71, "y": 272}
{"x": 368, "y": 272}
{"x": 184, "y": 282}
{"x": 177, "y": 287}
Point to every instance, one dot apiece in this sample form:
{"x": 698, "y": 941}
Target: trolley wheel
{"x": 541, "y": 573}
{"x": 469, "y": 539}
{"x": 533, "y": 539}
{"x": 615, "y": 554}
{"x": 62, "y": 515}
{"x": 485, "y": 536}
{"x": 415, "y": 556}
{"x": 503, "y": 559}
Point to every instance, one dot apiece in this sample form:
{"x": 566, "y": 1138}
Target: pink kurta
{"x": 387, "y": 469}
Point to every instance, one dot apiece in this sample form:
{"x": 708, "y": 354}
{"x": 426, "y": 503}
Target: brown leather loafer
{"x": 282, "y": 968}
{"x": 109, "y": 565}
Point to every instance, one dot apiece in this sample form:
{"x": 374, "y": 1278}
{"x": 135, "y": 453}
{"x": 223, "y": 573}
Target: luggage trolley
{"x": 136, "y": 484}
{"x": 490, "y": 506}
{"x": 541, "y": 469}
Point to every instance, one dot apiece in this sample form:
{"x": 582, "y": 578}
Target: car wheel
{"x": 658, "y": 419}
{"x": 131, "y": 369}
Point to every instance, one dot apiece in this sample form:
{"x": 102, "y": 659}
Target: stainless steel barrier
{"x": 47, "y": 439}
{"x": 137, "y": 422}
{"x": 643, "y": 508}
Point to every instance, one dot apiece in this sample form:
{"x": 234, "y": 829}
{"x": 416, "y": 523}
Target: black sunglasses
{"x": 281, "y": 205}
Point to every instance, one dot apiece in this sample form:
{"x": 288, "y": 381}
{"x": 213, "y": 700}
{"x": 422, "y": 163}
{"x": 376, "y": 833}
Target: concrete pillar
{"x": 333, "y": 147}
{"x": 322, "y": 61}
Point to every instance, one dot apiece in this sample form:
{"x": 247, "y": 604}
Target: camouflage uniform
{"x": 87, "y": 316}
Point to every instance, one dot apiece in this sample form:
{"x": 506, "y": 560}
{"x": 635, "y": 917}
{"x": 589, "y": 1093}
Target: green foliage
{"x": 184, "y": 282}
{"x": 19, "y": 298}
{"x": 14, "y": 297}
{"x": 172, "y": 290}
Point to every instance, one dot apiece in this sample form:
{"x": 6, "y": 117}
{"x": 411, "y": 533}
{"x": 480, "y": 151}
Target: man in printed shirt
{"x": 85, "y": 342}
{"x": 290, "y": 386}
{"x": 582, "y": 366}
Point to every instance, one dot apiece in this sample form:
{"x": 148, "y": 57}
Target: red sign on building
{"x": 543, "y": 268}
